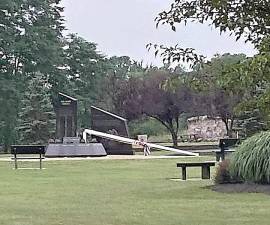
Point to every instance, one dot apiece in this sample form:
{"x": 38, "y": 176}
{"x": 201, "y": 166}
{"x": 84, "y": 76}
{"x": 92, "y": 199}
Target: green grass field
{"x": 120, "y": 192}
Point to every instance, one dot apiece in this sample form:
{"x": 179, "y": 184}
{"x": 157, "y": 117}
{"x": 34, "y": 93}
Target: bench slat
{"x": 195, "y": 164}
{"x": 21, "y": 158}
{"x": 28, "y": 149}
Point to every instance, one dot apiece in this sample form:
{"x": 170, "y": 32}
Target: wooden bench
{"x": 204, "y": 165}
{"x": 28, "y": 150}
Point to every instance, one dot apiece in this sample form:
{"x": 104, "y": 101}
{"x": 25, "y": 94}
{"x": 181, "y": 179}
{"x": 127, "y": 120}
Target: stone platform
{"x": 75, "y": 150}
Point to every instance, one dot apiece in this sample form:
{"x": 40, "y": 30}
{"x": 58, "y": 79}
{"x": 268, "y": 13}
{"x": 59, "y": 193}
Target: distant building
{"x": 206, "y": 128}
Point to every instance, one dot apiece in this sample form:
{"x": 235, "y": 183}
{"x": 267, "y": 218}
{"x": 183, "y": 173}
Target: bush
{"x": 251, "y": 160}
{"x": 222, "y": 175}
{"x": 148, "y": 126}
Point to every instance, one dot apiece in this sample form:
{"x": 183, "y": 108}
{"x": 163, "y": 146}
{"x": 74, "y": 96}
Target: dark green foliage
{"x": 244, "y": 19}
{"x": 8, "y": 111}
{"x": 247, "y": 19}
{"x": 36, "y": 117}
{"x": 250, "y": 122}
{"x": 145, "y": 96}
{"x": 251, "y": 162}
{"x": 84, "y": 73}
{"x": 149, "y": 126}
{"x": 251, "y": 77}
{"x": 31, "y": 36}
{"x": 212, "y": 98}
{"x": 118, "y": 70}
{"x": 176, "y": 53}
{"x": 30, "y": 40}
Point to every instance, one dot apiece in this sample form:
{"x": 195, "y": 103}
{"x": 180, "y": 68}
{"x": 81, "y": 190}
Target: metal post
{"x": 222, "y": 153}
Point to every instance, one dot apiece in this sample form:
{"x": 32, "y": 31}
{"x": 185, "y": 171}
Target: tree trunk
{"x": 228, "y": 128}
{"x": 231, "y": 125}
{"x": 174, "y": 138}
{"x": 169, "y": 126}
{"x": 173, "y": 133}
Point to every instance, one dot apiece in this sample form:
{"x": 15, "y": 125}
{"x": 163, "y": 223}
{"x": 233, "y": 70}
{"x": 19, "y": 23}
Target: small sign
{"x": 141, "y": 139}
{"x": 65, "y": 102}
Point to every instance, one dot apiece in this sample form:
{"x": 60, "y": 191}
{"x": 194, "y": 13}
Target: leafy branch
{"x": 176, "y": 54}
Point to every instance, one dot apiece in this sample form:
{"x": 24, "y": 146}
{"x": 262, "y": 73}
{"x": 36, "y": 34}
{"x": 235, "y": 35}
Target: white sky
{"x": 124, "y": 27}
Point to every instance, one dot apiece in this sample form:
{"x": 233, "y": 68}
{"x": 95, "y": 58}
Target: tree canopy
{"x": 37, "y": 61}
{"x": 245, "y": 19}
{"x": 144, "y": 96}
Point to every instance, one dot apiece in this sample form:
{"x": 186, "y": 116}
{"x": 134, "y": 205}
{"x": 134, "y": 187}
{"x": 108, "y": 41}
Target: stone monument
{"x": 68, "y": 143}
{"x": 66, "y": 116}
{"x": 107, "y": 122}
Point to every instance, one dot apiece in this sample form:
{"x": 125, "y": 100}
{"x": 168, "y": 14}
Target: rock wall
{"x": 206, "y": 128}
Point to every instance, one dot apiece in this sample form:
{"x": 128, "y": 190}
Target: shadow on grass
{"x": 199, "y": 179}
{"x": 239, "y": 188}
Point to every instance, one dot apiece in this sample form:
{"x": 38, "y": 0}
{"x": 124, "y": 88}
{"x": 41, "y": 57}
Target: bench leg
{"x": 40, "y": 161}
{"x": 205, "y": 172}
{"x": 184, "y": 173}
{"x": 15, "y": 161}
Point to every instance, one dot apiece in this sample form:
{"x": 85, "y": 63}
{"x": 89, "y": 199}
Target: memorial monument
{"x": 66, "y": 116}
{"x": 67, "y": 143}
{"x": 110, "y": 123}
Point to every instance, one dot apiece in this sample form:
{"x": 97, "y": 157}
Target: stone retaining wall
{"x": 206, "y": 128}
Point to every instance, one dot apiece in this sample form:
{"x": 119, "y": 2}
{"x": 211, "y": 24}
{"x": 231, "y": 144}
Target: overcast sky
{"x": 124, "y": 27}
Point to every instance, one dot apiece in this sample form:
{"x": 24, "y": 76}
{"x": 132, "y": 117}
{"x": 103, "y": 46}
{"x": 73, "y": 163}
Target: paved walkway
{"x": 109, "y": 157}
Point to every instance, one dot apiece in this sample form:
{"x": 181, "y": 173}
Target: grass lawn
{"x": 119, "y": 192}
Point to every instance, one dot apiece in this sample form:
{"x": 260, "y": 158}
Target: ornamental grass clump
{"x": 251, "y": 160}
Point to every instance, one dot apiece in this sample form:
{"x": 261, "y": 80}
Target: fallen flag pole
{"x": 147, "y": 146}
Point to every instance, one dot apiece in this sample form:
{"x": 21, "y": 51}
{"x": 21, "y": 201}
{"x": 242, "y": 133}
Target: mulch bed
{"x": 242, "y": 188}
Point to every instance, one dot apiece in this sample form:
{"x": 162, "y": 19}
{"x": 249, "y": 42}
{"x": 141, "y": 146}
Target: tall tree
{"x": 145, "y": 96}
{"x": 249, "y": 20}
{"x": 212, "y": 97}
{"x": 8, "y": 111}
{"x": 85, "y": 69}
{"x": 118, "y": 70}
{"x": 218, "y": 103}
{"x": 30, "y": 40}
{"x": 36, "y": 118}
{"x": 31, "y": 37}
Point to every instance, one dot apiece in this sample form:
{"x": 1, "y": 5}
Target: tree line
{"x": 37, "y": 61}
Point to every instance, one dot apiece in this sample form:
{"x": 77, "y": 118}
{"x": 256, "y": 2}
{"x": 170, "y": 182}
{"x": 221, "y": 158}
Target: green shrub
{"x": 251, "y": 160}
{"x": 148, "y": 126}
